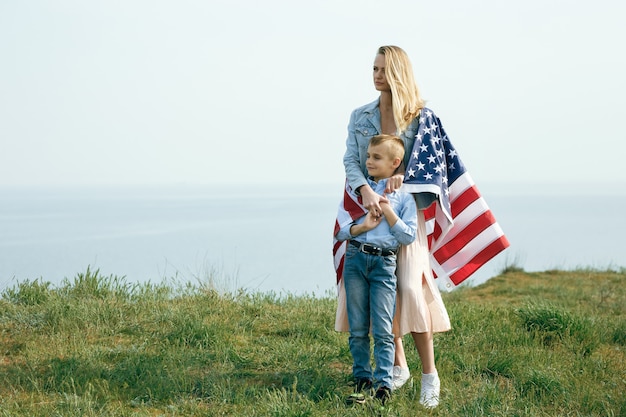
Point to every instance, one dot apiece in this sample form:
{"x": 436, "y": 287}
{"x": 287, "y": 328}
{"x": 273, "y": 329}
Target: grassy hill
{"x": 522, "y": 344}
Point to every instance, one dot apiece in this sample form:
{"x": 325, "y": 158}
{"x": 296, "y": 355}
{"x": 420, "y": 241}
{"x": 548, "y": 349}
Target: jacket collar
{"x": 372, "y": 110}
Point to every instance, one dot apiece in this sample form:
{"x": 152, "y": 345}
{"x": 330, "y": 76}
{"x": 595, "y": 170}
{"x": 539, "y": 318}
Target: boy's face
{"x": 380, "y": 164}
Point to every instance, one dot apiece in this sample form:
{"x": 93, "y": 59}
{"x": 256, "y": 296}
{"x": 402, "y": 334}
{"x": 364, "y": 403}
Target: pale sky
{"x": 147, "y": 92}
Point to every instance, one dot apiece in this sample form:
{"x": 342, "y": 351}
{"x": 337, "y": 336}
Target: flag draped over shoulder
{"x": 462, "y": 232}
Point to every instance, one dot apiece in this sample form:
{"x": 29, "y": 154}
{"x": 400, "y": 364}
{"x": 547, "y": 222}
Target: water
{"x": 263, "y": 240}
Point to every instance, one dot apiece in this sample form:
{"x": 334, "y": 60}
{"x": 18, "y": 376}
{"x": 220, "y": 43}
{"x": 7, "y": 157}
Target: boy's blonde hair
{"x": 394, "y": 145}
{"x": 405, "y": 95}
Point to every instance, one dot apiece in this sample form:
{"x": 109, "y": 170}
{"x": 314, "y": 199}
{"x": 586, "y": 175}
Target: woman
{"x": 419, "y": 307}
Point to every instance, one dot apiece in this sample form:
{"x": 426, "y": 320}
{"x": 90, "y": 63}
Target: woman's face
{"x": 380, "y": 79}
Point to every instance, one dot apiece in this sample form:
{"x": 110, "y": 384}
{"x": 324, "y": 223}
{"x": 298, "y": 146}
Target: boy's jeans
{"x": 370, "y": 283}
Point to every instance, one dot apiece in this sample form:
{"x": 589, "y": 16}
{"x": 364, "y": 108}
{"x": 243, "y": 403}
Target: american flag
{"x": 350, "y": 209}
{"x": 462, "y": 232}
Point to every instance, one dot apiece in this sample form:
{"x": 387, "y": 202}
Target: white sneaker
{"x": 429, "y": 396}
{"x": 400, "y": 377}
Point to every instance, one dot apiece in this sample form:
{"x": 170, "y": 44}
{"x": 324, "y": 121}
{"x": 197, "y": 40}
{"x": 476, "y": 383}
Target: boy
{"x": 369, "y": 270}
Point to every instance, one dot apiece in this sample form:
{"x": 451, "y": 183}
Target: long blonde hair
{"x": 405, "y": 95}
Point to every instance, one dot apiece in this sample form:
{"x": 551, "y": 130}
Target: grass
{"x": 522, "y": 344}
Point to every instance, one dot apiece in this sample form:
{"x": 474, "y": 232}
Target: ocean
{"x": 266, "y": 239}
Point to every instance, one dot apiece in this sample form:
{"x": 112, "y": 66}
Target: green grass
{"x": 522, "y": 344}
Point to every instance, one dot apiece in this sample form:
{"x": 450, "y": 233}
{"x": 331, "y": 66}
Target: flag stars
{"x": 433, "y": 159}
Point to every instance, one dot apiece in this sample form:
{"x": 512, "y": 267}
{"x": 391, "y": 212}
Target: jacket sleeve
{"x": 351, "y": 158}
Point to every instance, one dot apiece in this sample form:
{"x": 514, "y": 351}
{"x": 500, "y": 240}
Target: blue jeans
{"x": 370, "y": 283}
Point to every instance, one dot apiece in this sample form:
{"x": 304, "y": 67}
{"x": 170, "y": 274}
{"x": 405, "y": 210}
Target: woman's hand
{"x": 393, "y": 183}
{"x": 371, "y": 200}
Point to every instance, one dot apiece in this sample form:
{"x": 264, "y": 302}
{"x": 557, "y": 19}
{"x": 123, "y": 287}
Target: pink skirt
{"x": 418, "y": 295}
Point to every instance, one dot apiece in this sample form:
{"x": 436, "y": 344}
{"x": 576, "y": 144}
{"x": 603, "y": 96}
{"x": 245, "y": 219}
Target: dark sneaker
{"x": 356, "y": 398}
{"x": 383, "y": 394}
{"x": 362, "y": 384}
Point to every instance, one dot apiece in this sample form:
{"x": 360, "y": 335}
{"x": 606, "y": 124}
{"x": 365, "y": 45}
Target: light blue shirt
{"x": 403, "y": 232}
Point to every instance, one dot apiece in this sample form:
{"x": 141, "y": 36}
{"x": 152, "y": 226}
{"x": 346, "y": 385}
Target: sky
{"x": 153, "y": 92}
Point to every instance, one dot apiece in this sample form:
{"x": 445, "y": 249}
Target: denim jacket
{"x": 365, "y": 123}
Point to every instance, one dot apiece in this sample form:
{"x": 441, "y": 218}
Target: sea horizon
{"x": 268, "y": 239}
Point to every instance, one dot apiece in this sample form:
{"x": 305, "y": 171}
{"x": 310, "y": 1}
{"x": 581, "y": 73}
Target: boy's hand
{"x": 389, "y": 214}
{"x": 371, "y": 221}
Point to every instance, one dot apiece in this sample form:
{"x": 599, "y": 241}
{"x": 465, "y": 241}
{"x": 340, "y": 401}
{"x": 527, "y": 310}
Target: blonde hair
{"x": 405, "y": 95}
{"x": 394, "y": 145}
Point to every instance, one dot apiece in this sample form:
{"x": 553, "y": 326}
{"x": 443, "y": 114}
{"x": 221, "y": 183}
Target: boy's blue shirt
{"x": 402, "y": 233}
